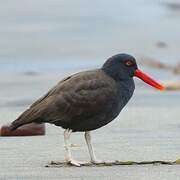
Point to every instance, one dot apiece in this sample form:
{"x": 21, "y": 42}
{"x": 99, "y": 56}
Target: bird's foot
{"x": 75, "y": 162}
{"x": 72, "y": 146}
{"x": 75, "y": 145}
{"x": 97, "y": 161}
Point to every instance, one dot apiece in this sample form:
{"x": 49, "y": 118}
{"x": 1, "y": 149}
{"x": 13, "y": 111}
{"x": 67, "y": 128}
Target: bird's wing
{"x": 83, "y": 94}
{"x": 50, "y": 92}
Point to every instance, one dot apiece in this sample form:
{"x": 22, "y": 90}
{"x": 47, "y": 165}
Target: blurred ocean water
{"x": 45, "y": 33}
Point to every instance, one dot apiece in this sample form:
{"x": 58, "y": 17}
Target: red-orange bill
{"x": 138, "y": 73}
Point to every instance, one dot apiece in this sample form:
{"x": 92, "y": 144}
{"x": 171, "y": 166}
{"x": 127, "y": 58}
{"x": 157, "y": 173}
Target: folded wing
{"x": 79, "y": 96}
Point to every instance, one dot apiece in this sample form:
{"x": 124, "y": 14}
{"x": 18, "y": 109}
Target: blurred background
{"x": 42, "y": 41}
{"x": 48, "y": 35}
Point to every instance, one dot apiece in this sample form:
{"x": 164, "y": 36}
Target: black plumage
{"x": 86, "y": 100}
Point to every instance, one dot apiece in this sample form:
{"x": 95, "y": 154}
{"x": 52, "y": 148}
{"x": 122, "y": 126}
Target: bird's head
{"x": 123, "y": 67}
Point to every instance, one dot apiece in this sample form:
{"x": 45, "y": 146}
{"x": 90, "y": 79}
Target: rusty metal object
{"x": 26, "y": 130}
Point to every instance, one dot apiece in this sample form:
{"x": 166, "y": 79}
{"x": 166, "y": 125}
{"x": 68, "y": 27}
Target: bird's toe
{"x": 76, "y": 163}
{"x": 97, "y": 161}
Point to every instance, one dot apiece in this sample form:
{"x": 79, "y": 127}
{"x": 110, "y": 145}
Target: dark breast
{"x": 94, "y": 101}
{"x": 107, "y": 111}
{"x": 82, "y": 102}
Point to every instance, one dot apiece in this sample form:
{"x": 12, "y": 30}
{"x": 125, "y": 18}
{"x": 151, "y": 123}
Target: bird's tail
{"x": 14, "y": 125}
{"x": 24, "y": 118}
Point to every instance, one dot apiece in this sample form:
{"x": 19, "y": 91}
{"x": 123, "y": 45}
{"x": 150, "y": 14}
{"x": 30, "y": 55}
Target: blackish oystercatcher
{"x": 87, "y": 100}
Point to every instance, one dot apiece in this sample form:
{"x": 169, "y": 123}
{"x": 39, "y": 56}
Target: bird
{"x": 87, "y": 100}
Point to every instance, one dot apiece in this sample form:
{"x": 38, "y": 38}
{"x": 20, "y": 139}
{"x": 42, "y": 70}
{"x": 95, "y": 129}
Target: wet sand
{"x": 42, "y": 42}
{"x": 148, "y": 129}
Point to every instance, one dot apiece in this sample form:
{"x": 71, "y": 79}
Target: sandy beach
{"x": 146, "y": 130}
{"x": 42, "y": 43}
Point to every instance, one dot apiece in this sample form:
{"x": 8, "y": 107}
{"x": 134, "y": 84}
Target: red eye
{"x": 129, "y": 63}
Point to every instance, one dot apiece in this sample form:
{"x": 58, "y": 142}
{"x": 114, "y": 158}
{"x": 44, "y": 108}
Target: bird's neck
{"x": 125, "y": 91}
{"x": 127, "y": 86}
{"x": 116, "y": 74}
